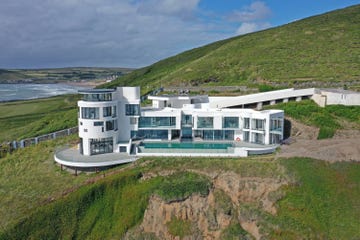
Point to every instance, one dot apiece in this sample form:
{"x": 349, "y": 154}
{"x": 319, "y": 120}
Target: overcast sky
{"x": 132, "y": 33}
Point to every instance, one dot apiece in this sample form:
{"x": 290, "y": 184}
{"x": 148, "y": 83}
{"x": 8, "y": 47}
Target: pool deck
{"x": 72, "y": 157}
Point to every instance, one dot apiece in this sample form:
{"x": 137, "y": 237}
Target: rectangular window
{"x": 258, "y": 124}
{"x": 258, "y": 138}
{"x": 132, "y": 109}
{"x": 109, "y": 125}
{"x": 101, "y": 145}
{"x": 153, "y": 134}
{"x": 107, "y": 111}
{"x": 246, "y": 123}
{"x": 113, "y": 111}
{"x": 205, "y": 122}
{"x": 98, "y": 123}
{"x": 97, "y": 97}
{"x": 89, "y": 113}
{"x": 157, "y": 122}
{"x": 230, "y": 122}
{"x": 276, "y": 125}
{"x": 246, "y": 136}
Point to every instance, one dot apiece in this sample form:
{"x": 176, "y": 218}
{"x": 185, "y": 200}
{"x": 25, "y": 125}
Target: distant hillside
{"x": 322, "y": 50}
{"x": 51, "y": 75}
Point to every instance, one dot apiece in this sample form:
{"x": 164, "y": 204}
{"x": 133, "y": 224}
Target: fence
{"x": 9, "y": 147}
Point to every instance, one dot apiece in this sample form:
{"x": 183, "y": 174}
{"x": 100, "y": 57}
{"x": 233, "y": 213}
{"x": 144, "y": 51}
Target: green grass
{"x": 323, "y": 202}
{"x": 179, "y": 228}
{"x": 328, "y": 119}
{"x": 24, "y": 119}
{"x": 29, "y": 178}
{"x": 320, "y": 202}
{"x": 321, "y": 49}
{"x": 181, "y": 185}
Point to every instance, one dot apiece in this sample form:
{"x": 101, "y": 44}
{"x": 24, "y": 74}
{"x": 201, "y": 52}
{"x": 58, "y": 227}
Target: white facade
{"x": 109, "y": 120}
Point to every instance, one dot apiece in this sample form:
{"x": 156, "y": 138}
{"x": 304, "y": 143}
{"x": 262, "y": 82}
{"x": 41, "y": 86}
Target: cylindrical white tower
{"x": 98, "y": 121}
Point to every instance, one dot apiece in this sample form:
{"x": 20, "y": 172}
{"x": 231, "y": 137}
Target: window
{"x": 258, "y": 124}
{"x": 276, "y": 124}
{"x": 246, "y": 136}
{"x": 132, "y": 109}
{"x": 101, "y": 145}
{"x": 107, "y": 111}
{"x": 246, "y": 123}
{"x": 258, "y": 138}
{"x": 111, "y": 125}
{"x": 154, "y": 122}
{"x": 113, "y": 111}
{"x": 98, "y": 123}
{"x": 230, "y": 122}
{"x": 153, "y": 134}
{"x": 217, "y": 134}
{"x": 205, "y": 122}
{"x": 89, "y": 113}
{"x": 122, "y": 149}
{"x": 97, "y": 97}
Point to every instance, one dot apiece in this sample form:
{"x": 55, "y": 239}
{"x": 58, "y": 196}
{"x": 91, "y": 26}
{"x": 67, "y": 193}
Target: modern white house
{"x": 112, "y": 120}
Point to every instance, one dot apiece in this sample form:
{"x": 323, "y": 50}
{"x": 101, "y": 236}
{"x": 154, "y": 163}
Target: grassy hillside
{"x": 328, "y": 119}
{"x": 319, "y": 203}
{"x": 52, "y": 75}
{"x": 23, "y": 119}
{"x": 321, "y": 50}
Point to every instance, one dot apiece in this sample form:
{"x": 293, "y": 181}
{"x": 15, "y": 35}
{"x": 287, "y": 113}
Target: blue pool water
{"x": 186, "y": 145}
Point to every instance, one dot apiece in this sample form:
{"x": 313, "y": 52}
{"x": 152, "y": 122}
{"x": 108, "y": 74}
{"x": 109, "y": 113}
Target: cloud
{"x": 251, "y": 27}
{"x": 255, "y": 12}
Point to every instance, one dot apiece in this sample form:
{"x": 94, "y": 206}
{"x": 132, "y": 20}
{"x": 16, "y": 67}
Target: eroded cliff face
{"x": 211, "y": 215}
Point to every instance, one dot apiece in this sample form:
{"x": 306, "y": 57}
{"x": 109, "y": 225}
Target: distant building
{"x": 111, "y": 120}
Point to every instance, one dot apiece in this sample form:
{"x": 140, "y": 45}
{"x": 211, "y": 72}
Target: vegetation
{"x": 328, "y": 119}
{"x": 181, "y": 185}
{"x": 319, "y": 50}
{"x": 322, "y": 203}
{"x": 29, "y": 178}
{"x": 24, "y": 119}
{"x": 179, "y": 227}
{"x": 59, "y": 74}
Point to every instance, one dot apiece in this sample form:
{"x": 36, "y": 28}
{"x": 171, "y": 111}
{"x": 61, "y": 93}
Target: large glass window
{"x": 97, "y": 97}
{"x": 276, "y": 124}
{"x": 205, "y": 122}
{"x": 155, "y": 122}
{"x": 215, "y": 134}
{"x": 275, "y": 138}
{"x": 258, "y": 124}
{"x": 186, "y": 120}
{"x": 153, "y": 134}
{"x": 258, "y": 138}
{"x": 89, "y": 113}
{"x": 230, "y": 122}
{"x": 132, "y": 109}
{"x": 101, "y": 145}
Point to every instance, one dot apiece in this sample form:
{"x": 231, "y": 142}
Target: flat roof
{"x": 92, "y": 91}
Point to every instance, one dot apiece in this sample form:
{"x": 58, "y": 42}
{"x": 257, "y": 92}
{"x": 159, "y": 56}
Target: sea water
{"x": 11, "y": 92}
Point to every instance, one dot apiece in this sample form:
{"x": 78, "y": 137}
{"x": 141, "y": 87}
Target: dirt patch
{"x": 344, "y": 146}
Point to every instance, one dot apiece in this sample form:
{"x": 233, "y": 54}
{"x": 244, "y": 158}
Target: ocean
{"x": 11, "y": 92}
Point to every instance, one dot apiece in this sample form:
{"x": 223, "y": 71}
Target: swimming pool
{"x": 186, "y": 145}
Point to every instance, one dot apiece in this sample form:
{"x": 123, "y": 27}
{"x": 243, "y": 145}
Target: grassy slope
{"x": 60, "y": 74}
{"x": 320, "y": 203}
{"x": 322, "y": 48}
{"x": 22, "y": 119}
{"x": 328, "y": 119}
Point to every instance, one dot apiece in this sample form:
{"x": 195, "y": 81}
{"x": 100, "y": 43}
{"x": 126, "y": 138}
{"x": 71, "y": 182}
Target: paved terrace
{"x": 72, "y": 157}
{"x": 259, "y": 99}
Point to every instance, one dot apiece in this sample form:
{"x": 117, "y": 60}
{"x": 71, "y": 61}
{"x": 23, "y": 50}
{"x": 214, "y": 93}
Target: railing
{"x": 9, "y": 147}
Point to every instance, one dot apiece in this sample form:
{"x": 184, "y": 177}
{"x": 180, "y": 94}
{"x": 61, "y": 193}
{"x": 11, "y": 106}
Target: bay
{"x": 11, "y": 92}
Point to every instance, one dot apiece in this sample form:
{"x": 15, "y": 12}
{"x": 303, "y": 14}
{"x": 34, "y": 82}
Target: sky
{"x": 133, "y": 33}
